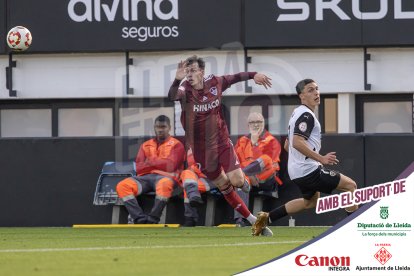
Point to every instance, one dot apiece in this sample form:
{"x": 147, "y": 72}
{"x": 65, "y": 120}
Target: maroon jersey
{"x": 202, "y": 115}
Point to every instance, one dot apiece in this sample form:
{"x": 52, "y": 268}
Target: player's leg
{"x": 230, "y": 164}
{"x": 127, "y": 190}
{"x": 223, "y": 184}
{"x": 308, "y": 186}
{"x": 265, "y": 218}
{"x": 238, "y": 180}
{"x": 191, "y": 188}
{"x": 239, "y": 220}
{"x": 346, "y": 184}
{"x": 163, "y": 191}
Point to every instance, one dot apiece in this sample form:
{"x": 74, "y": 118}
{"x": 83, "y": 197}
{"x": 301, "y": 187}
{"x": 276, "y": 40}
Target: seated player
{"x": 158, "y": 164}
{"x": 194, "y": 182}
{"x": 259, "y": 154}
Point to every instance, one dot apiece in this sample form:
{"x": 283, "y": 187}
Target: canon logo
{"x": 304, "y": 260}
{"x": 88, "y": 12}
{"x": 322, "y": 6}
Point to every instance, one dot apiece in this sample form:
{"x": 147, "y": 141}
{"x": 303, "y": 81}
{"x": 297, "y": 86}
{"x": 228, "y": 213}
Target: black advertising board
{"x": 132, "y": 25}
{"x": 3, "y": 27}
{"x": 168, "y": 25}
{"x": 334, "y": 23}
{"x": 396, "y": 28}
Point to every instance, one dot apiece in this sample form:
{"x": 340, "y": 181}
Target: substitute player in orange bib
{"x": 158, "y": 164}
{"x": 258, "y": 153}
{"x": 205, "y": 128}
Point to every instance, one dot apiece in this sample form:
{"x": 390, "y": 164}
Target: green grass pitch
{"x": 143, "y": 251}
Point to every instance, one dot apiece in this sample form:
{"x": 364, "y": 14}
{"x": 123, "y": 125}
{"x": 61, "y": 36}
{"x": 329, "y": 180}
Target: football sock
{"x": 234, "y": 200}
{"x": 252, "y": 219}
{"x": 277, "y": 213}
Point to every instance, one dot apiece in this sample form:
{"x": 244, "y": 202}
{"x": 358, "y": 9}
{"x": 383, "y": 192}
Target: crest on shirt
{"x": 213, "y": 90}
{"x": 303, "y": 126}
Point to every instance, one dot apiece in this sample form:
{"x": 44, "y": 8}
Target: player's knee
{"x": 127, "y": 187}
{"x": 237, "y": 180}
{"x": 164, "y": 187}
{"x": 188, "y": 175}
{"x": 352, "y": 186}
{"x": 310, "y": 204}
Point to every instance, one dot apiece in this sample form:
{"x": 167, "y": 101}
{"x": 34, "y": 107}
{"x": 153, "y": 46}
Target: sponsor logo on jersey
{"x": 303, "y": 126}
{"x": 205, "y": 98}
{"x": 206, "y": 107}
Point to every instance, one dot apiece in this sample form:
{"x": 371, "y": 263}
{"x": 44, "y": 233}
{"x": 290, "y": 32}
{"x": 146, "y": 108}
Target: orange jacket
{"x": 167, "y": 157}
{"x": 267, "y": 144}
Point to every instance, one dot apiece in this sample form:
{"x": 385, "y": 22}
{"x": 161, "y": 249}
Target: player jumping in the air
{"x": 206, "y": 130}
{"x": 305, "y": 163}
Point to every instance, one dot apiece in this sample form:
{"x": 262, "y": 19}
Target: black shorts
{"x": 320, "y": 180}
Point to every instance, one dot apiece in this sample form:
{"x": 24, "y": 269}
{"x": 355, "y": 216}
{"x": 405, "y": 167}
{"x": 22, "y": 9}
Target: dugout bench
{"x": 113, "y": 172}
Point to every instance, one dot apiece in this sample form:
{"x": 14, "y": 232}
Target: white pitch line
{"x": 140, "y": 247}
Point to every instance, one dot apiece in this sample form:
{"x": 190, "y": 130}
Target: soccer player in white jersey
{"x": 305, "y": 163}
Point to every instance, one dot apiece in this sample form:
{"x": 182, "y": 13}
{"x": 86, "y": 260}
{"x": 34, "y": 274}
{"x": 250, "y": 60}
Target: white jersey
{"x": 303, "y": 122}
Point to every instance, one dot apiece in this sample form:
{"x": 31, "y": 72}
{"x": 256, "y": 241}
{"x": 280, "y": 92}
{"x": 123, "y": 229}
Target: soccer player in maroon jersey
{"x": 206, "y": 131}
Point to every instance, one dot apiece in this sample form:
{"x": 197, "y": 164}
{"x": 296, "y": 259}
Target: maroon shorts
{"x": 214, "y": 160}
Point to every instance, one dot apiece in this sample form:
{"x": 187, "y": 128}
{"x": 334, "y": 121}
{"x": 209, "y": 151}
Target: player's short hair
{"x": 301, "y": 85}
{"x": 163, "y": 119}
{"x": 193, "y": 59}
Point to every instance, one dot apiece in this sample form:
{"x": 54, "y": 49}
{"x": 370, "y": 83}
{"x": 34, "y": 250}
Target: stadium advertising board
{"x": 296, "y": 23}
{"x": 134, "y": 25}
{"x": 3, "y": 28}
{"x": 377, "y": 240}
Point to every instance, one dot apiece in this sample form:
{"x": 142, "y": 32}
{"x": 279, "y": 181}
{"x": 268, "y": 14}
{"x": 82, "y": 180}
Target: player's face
{"x": 310, "y": 95}
{"x": 194, "y": 75}
{"x": 162, "y": 130}
{"x": 256, "y": 125}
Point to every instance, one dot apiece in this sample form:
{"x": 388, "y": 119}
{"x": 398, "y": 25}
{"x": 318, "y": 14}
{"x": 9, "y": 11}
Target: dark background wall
{"x": 82, "y": 26}
{"x": 51, "y": 181}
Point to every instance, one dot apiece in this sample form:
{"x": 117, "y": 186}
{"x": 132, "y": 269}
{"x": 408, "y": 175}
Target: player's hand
{"x": 180, "y": 74}
{"x": 330, "y": 159}
{"x": 254, "y": 136}
{"x": 262, "y": 79}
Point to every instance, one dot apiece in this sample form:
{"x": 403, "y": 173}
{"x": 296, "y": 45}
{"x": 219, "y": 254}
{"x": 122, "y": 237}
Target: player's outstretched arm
{"x": 262, "y": 79}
